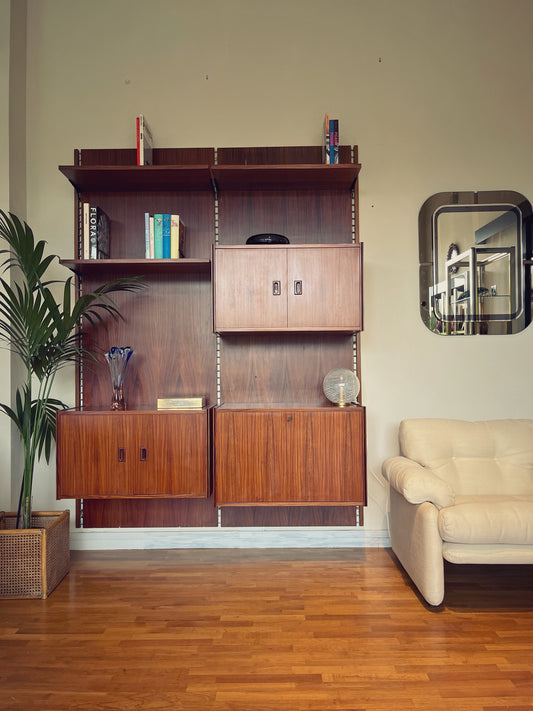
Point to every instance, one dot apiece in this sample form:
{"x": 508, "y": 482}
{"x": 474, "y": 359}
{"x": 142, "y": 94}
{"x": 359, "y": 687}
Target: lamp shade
{"x": 341, "y": 386}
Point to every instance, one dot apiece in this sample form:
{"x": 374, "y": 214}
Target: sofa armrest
{"x": 416, "y": 483}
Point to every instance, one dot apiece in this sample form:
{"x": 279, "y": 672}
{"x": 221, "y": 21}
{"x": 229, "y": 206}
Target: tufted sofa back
{"x": 493, "y": 457}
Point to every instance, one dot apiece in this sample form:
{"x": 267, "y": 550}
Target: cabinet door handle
{"x": 298, "y": 290}
{"x": 121, "y": 454}
{"x": 143, "y": 454}
{"x": 276, "y": 288}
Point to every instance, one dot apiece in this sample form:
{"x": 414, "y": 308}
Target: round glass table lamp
{"x": 341, "y": 387}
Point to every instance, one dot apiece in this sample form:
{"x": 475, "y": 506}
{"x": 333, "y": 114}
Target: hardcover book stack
{"x": 164, "y": 236}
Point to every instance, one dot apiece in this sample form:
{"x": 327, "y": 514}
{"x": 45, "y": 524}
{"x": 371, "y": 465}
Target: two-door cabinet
{"x": 289, "y": 455}
{"x": 288, "y": 288}
{"x": 133, "y": 453}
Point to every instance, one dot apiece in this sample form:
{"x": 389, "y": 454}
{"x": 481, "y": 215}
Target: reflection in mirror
{"x": 473, "y": 275}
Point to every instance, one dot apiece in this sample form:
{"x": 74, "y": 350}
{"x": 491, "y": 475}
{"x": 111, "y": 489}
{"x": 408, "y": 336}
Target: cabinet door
{"x": 113, "y": 455}
{"x": 172, "y": 457}
{"x": 324, "y": 288}
{"x": 289, "y": 457}
{"x": 250, "y": 288}
{"x": 92, "y": 455}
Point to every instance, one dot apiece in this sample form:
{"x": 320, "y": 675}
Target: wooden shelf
{"x": 119, "y": 178}
{"x": 289, "y": 406}
{"x": 138, "y": 266}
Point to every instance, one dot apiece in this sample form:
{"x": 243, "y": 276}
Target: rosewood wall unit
{"x": 268, "y": 374}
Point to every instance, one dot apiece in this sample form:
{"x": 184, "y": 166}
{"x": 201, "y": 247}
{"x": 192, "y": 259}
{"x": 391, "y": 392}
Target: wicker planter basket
{"x": 33, "y": 561}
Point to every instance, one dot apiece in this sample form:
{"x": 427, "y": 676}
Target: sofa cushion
{"x": 488, "y": 519}
{"x": 494, "y": 456}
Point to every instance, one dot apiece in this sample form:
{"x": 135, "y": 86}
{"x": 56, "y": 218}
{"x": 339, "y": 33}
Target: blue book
{"x": 166, "y": 236}
{"x": 158, "y": 236}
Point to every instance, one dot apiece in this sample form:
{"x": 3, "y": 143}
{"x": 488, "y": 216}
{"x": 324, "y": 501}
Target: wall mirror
{"x": 473, "y": 250}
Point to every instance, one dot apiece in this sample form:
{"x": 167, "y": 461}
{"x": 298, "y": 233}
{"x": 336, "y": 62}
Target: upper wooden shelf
{"x": 120, "y": 178}
{"x": 102, "y": 178}
{"x": 138, "y": 267}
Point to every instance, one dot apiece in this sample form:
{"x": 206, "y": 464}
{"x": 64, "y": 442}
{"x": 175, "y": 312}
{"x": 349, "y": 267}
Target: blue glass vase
{"x": 118, "y": 358}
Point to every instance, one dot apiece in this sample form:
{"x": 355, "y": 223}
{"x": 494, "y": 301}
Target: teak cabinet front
{"x": 129, "y": 454}
{"x": 288, "y": 288}
{"x": 290, "y": 456}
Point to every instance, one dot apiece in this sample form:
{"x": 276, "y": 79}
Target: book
{"x": 180, "y": 403}
{"x": 158, "y": 236}
{"x": 166, "y": 236}
{"x": 85, "y": 252}
{"x": 151, "y": 236}
{"x": 331, "y": 140}
{"x": 334, "y": 141}
{"x": 147, "y": 235}
{"x": 326, "y": 140}
{"x": 145, "y": 141}
{"x": 99, "y": 228}
{"x": 177, "y": 237}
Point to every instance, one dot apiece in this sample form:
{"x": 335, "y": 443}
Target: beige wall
{"x": 13, "y": 199}
{"x": 5, "y": 462}
{"x": 436, "y": 94}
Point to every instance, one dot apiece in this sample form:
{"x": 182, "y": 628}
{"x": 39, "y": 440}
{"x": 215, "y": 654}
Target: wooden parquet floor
{"x": 268, "y": 630}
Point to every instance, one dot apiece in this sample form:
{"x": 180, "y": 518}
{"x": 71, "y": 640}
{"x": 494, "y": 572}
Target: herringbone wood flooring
{"x": 283, "y": 630}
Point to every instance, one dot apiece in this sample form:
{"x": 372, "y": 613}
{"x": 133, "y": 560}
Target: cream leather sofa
{"x": 461, "y": 492}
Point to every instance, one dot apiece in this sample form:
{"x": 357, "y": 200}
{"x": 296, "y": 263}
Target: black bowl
{"x": 267, "y": 238}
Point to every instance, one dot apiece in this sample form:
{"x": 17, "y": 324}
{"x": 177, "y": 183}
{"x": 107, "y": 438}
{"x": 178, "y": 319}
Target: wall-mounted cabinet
{"x": 135, "y": 453}
{"x": 292, "y": 288}
{"x": 243, "y": 354}
{"x": 289, "y": 456}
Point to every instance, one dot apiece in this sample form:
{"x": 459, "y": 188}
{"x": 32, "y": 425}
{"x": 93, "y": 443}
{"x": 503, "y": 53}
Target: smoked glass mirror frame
{"x": 475, "y": 263}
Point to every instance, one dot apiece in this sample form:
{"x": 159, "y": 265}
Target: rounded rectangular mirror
{"x": 472, "y": 250}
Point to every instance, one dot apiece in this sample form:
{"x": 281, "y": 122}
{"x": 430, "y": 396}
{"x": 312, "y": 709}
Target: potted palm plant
{"x": 44, "y": 334}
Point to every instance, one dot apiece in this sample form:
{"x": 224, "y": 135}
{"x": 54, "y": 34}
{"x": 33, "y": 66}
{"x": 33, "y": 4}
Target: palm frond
{"x": 44, "y": 334}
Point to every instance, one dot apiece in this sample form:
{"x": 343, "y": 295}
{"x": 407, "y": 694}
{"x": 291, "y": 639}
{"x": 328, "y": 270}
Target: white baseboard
{"x": 256, "y": 537}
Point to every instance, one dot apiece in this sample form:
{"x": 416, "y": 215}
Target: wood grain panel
{"x": 139, "y": 512}
{"x": 277, "y": 155}
{"x": 304, "y": 216}
{"x": 169, "y": 327}
{"x": 290, "y": 367}
{"x": 288, "y": 288}
{"x": 128, "y": 156}
{"x": 289, "y": 456}
{"x": 267, "y": 516}
{"x": 250, "y": 288}
{"x": 88, "y": 456}
{"x": 122, "y": 454}
{"x": 176, "y": 446}
{"x": 331, "y": 288}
